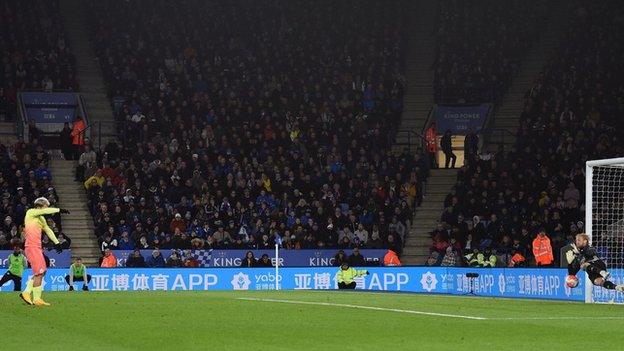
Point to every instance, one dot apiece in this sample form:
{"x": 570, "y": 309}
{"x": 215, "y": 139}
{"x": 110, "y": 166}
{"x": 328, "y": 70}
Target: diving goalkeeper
{"x": 34, "y": 224}
{"x": 583, "y": 256}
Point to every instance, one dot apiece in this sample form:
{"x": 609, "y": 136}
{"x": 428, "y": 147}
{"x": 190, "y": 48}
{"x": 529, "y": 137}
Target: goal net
{"x": 604, "y": 218}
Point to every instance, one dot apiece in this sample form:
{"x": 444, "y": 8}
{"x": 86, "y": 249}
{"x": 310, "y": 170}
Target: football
{"x": 572, "y": 281}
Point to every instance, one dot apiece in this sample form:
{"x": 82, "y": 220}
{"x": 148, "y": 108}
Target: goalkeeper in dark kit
{"x": 584, "y": 257}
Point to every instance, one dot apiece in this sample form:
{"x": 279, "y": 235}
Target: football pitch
{"x": 304, "y": 320}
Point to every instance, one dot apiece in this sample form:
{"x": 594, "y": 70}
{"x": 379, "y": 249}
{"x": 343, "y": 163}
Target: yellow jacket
{"x": 348, "y": 275}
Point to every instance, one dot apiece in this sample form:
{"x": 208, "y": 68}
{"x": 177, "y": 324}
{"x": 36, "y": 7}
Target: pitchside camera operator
{"x": 346, "y": 275}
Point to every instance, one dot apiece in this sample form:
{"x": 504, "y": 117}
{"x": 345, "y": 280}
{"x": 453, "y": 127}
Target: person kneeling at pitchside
{"x": 346, "y": 276}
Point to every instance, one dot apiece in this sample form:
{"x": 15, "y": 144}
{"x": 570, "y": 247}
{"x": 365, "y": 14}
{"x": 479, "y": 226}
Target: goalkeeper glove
{"x": 63, "y": 211}
{"x": 367, "y": 273}
{"x": 58, "y": 247}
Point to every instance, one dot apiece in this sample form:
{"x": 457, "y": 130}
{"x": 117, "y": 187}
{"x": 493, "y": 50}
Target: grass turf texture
{"x": 221, "y": 320}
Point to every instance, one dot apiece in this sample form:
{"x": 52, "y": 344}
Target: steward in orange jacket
{"x": 391, "y": 259}
{"x": 542, "y": 250}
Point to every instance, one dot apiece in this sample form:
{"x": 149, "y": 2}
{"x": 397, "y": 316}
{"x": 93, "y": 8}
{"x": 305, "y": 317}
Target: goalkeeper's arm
{"x": 572, "y": 257}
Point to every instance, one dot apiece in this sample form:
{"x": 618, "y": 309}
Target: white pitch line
{"x": 318, "y": 303}
{"x": 364, "y": 308}
{"x": 549, "y": 318}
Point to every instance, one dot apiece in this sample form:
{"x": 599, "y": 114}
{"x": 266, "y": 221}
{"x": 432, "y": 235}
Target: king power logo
{"x": 429, "y": 281}
{"x": 240, "y": 281}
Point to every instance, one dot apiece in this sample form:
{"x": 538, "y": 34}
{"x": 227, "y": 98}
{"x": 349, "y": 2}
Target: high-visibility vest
{"x": 542, "y": 250}
{"x": 391, "y": 259}
{"x": 77, "y": 134}
{"x": 109, "y": 261}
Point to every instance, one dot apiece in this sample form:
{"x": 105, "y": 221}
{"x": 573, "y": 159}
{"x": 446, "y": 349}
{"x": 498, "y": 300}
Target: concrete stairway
{"x": 417, "y": 242}
{"x": 418, "y": 98}
{"x": 78, "y": 225}
{"x": 88, "y": 72}
{"x": 508, "y": 113}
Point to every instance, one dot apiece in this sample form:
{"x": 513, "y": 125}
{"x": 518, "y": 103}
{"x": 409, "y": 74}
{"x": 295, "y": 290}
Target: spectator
{"x": 125, "y": 243}
{"x": 228, "y": 163}
{"x": 340, "y": 258}
{"x": 136, "y": 260}
{"x": 434, "y": 259}
{"x": 108, "y": 260}
{"x": 190, "y": 261}
{"x": 64, "y": 240}
{"x": 156, "y": 260}
{"x": 356, "y": 259}
{"x": 86, "y": 164}
{"x": 109, "y": 242}
{"x": 174, "y": 261}
{"x": 249, "y": 261}
{"x": 360, "y": 236}
{"x": 542, "y": 249}
{"x": 450, "y": 258}
{"x": 265, "y": 261}
{"x": 375, "y": 242}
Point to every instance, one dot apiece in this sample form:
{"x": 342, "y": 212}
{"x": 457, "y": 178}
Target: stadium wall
{"x": 494, "y": 282}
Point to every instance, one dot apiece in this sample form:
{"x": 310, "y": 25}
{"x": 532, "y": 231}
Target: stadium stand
{"x": 571, "y": 114}
{"x": 480, "y": 45}
{"x": 35, "y": 53}
{"x": 24, "y": 177}
{"x": 237, "y": 136}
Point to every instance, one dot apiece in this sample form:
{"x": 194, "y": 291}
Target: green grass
{"x": 220, "y": 320}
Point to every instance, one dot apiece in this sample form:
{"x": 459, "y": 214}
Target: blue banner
{"x": 603, "y": 295}
{"x": 460, "y": 118}
{"x": 512, "y": 283}
{"x": 62, "y": 260}
{"x": 50, "y": 107}
{"x": 288, "y": 258}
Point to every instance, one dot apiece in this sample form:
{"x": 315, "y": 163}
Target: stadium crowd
{"x": 25, "y": 176}
{"x": 35, "y": 53}
{"x": 503, "y": 201}
{"x": 480, "y": 45}
{"x": 234, "y": 138}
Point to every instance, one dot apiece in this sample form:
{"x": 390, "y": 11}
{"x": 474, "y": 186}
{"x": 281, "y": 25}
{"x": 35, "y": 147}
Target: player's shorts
{"x": 601, "y": 267}
{"x": 34, "y": 255}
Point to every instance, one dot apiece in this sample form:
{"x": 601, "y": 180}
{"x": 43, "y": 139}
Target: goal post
{"x": 604, "y": 222}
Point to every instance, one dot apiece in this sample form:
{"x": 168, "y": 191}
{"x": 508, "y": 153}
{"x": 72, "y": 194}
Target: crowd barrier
{"x": 495, "y": 282}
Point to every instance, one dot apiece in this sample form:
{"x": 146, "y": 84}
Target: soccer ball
{"x": 572, "y": 281}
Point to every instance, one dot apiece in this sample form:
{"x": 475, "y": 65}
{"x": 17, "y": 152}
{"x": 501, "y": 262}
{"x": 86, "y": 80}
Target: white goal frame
{"x": 589, "y": 172}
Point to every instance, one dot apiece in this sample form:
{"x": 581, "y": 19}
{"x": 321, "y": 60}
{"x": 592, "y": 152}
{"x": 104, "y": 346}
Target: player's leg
{"x": 17, "y": 283}
{"x": 70, "y": 282}
{"x": 342, "y": 285}
{"x": 39, "y": 268}
{"x": 351, "y": 285}
{"x": 5, "y": 278}
{"x": 85, "y": 286}
{"x": 80, "y": 279}
{"x": 598, "y": 268}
